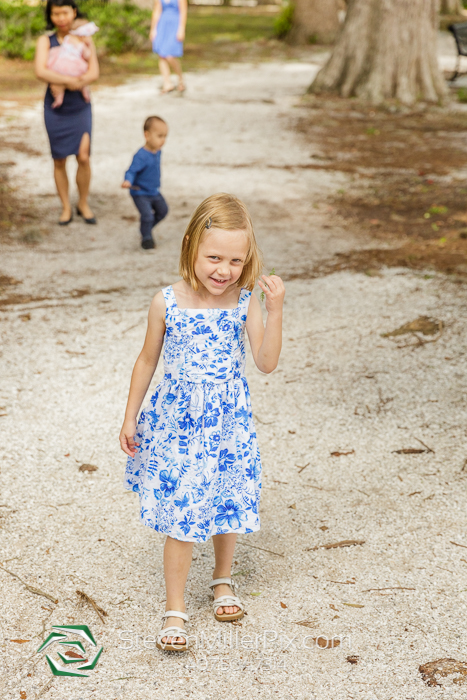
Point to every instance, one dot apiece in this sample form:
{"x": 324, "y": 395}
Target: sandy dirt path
{"x": 395, "y": 601}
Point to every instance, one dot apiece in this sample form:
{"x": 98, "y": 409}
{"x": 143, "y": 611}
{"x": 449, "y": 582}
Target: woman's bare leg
{"x": 61, "y": 182}
{"x": 224, "y": 546}
{"x": 165, "y": 72}
{"x": 83, "y": 176}
{"x": 176, "y": 66}
{"x": 177, "y": 562}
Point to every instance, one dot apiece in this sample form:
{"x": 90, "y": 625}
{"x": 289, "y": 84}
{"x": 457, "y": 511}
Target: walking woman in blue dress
{"x": 68, "y": 126}
{"x": 167, "y": 34}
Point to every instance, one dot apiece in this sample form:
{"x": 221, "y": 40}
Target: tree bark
{"x": 451, "y": 7}
{"x": 386, "y": 49}
{"x": 315, "y": 21}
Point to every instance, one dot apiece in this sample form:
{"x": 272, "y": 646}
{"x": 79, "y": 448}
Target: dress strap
{"x": 170, "y": 300}
{"x": 53, "y": 40}
{"x": 244, "y": 302}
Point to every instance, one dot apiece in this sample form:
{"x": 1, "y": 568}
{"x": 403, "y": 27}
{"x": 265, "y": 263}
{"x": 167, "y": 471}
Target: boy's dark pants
{"x": 152, "y": 210}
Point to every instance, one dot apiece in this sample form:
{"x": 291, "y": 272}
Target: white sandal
{"x": 226, "y": 601}
{"x": 173, "y": 631}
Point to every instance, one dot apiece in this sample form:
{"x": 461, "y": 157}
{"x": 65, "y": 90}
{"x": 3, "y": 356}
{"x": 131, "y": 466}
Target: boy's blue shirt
{"x": 145, "y": 173}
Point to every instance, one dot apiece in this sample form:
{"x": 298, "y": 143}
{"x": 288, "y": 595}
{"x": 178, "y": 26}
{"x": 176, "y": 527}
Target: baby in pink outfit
{"x": 72, "y": 57}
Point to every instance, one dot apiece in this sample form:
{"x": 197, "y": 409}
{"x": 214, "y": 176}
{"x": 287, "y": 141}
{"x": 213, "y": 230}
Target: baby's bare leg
{"x": 58, "y": 93}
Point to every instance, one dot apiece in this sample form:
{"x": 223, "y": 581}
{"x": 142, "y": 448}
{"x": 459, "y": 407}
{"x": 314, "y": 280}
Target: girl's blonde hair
{"x": 226, "y": 212}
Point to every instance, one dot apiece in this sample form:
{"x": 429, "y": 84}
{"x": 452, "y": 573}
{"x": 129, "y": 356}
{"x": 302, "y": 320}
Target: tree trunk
{"x": 315, "y": 21}
{"x": 386, "y": 49}
{"x": 451, "y": 7}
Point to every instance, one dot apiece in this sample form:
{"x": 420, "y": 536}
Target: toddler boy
{"x": 143, "y": 179}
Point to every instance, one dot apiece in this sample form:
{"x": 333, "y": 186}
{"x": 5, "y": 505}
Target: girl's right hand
{"x": 152, "y": 34}
{"x": 127, "y": 438}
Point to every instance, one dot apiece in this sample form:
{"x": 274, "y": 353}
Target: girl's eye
{"x": 214, "y": 257}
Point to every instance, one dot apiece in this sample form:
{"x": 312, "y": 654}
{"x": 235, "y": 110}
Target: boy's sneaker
{"x": 147, "y": 244}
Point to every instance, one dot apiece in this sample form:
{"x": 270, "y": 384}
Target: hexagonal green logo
{"x": 72, "y": 652}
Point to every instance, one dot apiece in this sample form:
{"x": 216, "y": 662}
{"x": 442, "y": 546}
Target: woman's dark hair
{"x": 60, "y": 3}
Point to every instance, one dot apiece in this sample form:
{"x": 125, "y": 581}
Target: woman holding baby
{"x": 67, "y": 61}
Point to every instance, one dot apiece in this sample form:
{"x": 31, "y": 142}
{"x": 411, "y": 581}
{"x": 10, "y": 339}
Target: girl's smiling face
{"x": 220, "y": 260}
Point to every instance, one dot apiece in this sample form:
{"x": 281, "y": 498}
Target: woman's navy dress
{"x": 67, "y": 124}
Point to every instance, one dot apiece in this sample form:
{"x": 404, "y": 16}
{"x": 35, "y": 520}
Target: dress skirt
{"x": 66, "y": 125}
{"x": 166, "y": 43}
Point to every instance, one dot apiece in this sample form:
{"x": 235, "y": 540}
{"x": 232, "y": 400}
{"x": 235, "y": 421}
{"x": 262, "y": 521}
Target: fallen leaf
{"x": 333, "y": 607}
{"x": 352, "y": 659}
{"x": 20, "y": 641}
{"x": 354, "y": 605}
{"x": 293, "y": 506}
{"x": 324, "y": 528}
{"x": 325, "y": 643}
{"x": 283, "y": 605}
{"x": 73, "y": 655}
{"x": 255, "y": 593}
{"x": 342, "y": 454}
{"x": 22, "y": 694}
{"x": 409, "y": 451}
{"x": 443, "y": 668}
{"x": 67, "y": 455}
{"x": 25, "y": 317}
{"x": 87, "y": 468}
{"x": 423, "y": 324}
{"x": 307, "y": 623}
{"x": 344, "y": 543}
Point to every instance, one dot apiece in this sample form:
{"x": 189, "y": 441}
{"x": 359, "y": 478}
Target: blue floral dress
{"x": 198, "y": 468}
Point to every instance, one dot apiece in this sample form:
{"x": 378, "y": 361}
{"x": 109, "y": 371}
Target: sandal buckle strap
{"x": 175, "y": 613}
{"x": 217, "y": 581}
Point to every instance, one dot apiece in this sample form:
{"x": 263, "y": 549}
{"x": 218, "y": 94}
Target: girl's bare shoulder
{"x": 157, "y": 308}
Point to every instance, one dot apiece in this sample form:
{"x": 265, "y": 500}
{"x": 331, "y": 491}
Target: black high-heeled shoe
{"x": 65, "y": 223}
{"x": 91, "y": 220}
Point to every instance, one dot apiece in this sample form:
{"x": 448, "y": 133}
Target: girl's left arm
{"x": 266, "y": 343}
{"x": 183, "y": 9}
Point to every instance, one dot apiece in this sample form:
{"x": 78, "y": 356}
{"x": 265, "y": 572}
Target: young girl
{"x": 198, "y": 469}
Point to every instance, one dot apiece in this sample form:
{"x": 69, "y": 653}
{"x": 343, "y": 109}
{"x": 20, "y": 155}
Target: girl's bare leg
{"x": 165, "y": 72}
{"x": 224, "y": 546}
{"x": 176, "y": 66}
{"x": 83, "y": 176}
{"x": 61, "y": 182}
{"x": 177, "y": 562}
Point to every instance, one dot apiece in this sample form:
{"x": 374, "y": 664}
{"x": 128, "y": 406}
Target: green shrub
{"x": 20, "y": 25}
{"x": 123, "y": 27}
{"x": 283, "y": 22}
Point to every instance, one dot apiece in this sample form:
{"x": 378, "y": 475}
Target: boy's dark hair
{"x": 60, "y": 3}
{"x": 150, "y": 121}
